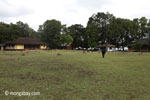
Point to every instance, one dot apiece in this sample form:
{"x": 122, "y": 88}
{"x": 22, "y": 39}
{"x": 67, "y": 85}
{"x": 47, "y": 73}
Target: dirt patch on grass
{"x": 7, "y": 59}
{"x": 18, "y": 76}
{"x": 71, "y": 69}
{"x": 33, "y": 77}
{"x": 64, "y": 67}
{"x": 83, "y": 73}
{"x": 12, "y": 54}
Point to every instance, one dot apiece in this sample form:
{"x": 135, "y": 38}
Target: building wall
{"x": 69, "y": 47}
{"x": 18, "y": 47}
{"x": 23, "y": 47}
{"x": 43, "y": 47}
{"x": 1, "y": 48}
{"x": 143, "y": 49}
{"x": 10, "y": 47}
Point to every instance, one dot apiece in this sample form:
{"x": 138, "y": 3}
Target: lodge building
{"x": 25, "y": 44}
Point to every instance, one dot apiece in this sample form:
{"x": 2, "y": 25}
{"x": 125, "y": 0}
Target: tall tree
{"x": 25, "y": 31}
{"x": 50, "y": 33}
{"x": 97, "y": 28}
{"x": 148, "y": 28}
{"x": 12, "y": 31}
{"x": 4, "y": 32}
{"x": 143, "y": 25}
{"x": 78, "y": 34}
{"x": 66, "y": 40}
{"x": 123, "y": 32}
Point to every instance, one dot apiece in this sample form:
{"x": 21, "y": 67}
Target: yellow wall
{"x": 19, "y": 46}
{"x": 43, "y": 47}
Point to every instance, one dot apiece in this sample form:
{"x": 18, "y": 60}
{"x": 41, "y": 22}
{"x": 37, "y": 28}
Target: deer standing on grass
{"x": 58, "y": 54}
{"x": 84, "y": 52}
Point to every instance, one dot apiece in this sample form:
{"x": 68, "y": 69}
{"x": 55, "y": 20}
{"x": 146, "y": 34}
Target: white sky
{"x": 36, "y": 12}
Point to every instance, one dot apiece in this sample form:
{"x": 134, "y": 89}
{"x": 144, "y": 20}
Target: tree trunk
{"x": 123, "y": 48}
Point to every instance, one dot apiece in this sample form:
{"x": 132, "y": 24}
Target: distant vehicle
{"x": 121, "y": 49}
{"x": 78, "y": 48}
{"x": 96, "y": 49}
{"x": 89, "y": 49}
{"x": 93, "y": 49}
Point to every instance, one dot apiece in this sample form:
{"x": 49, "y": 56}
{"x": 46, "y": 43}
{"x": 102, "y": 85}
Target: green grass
{"x": 74, "y": 75}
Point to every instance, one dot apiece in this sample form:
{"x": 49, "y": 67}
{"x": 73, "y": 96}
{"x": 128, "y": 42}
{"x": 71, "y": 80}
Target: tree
{"x": 137, "y": 46}
{"x": 114, "y": 33}
{"x": 137, "y": 30}
{"x": 97, "y": 28}
{"x": 4, "y": 32}
{"x": 12, "y": 31}
{"x": 123, "y": 32}
{"x": 25, "y": 31}
{"x": 148, "y": 28}
{"x": 143, "y": 26}
{"x": 78, "y": 33}
{"x": 66, "y": 39}
{"x": 50, "y": 33}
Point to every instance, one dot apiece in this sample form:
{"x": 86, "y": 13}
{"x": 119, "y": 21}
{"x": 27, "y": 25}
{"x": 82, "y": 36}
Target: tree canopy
{"x": 13, "y": 31}
{"x": 101, "y": 28}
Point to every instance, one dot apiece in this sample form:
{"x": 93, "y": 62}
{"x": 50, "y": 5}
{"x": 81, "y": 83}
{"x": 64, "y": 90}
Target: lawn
{"x": 74, "y": 75}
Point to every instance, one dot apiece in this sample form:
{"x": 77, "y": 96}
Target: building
{"x": 140, "y": 45}
{"x": 25, "y": 44}
{"x": 2, "y": 47}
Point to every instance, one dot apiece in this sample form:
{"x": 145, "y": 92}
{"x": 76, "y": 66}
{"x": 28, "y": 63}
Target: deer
{"x": 58, "y": 54}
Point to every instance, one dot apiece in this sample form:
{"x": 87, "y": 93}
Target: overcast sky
{"x": 36, "y": 12}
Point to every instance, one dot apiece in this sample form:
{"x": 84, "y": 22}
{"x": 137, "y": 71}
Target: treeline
{"x": 101, "y": 28}
{"x": 12, "y": 31}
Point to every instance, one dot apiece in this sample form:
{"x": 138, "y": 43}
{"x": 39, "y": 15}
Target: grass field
{"x": 74, "y": 75}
